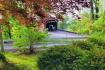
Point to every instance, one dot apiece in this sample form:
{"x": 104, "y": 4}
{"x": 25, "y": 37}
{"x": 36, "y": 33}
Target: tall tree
{"x": 92, "y": 10}
{"x": 97, "y": 2}
{"x": 25, "y": 11}
{"x": 95, "y": 8}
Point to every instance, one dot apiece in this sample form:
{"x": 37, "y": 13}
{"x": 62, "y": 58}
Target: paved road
{"x": 63, "y": 34}
{"x": 54, "y": 38}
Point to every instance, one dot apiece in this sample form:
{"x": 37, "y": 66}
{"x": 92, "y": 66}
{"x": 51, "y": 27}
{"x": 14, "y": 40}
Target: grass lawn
{"x": 22, "y": 61}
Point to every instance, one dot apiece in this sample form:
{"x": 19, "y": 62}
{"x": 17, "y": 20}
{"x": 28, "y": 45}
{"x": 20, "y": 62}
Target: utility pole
{"x": 1, "y": 37}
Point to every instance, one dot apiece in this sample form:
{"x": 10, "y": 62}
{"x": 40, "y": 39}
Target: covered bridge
{"x": 51, "y": 24}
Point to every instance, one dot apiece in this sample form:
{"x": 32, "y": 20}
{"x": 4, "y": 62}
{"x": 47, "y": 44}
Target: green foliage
{"x": 13, "y": 22}
{"x": 61, "y": 58}
{"x": 61, "y": 25}
{"x": 95, "y": 60}
{"x": 72, "y": 58}
{"x": 2, "y": 57}
{"x": 2, "y": 61}
{"x": 82, "y": 26}
{"x": 98, "y": 31}
{"x": 97, "y": 38}
{"x": 25, "y": 36}
{"x": 5, "y": 32}
{"x": 85, "y": 45}
{"x": 72, "y": 26}
{"x": 86, "y": 25}
{"x": 20, "y": 62}
{"x": 99, "y": 24}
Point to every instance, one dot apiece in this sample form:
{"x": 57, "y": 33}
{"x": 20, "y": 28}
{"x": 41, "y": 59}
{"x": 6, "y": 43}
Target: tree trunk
{"x": 9, "y": 33}
{"x": 1, "y": 40}
{"x": 92, "y": 10}
{"x": 31, "y": 49}
{"x": 97, "y": 11}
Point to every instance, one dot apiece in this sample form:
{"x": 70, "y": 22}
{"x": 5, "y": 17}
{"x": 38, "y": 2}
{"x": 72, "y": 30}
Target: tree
{"x": 24, "y": 37}
{"x": 92, "y": 10}
{"x": 69, "y": 6}
{"x": 1, "y": 38}
{"x": 27, "y": 37}
{"x": 95, "y": 9}
{"x": 97, "y": 4}
{"x": 26, "y": 10}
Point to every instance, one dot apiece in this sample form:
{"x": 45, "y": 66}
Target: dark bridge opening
{"x": 51, "y": 25}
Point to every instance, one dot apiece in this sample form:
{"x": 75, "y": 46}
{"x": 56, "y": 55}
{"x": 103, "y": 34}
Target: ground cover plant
{"x": 80, "y": 56}
{"x": 60, "y": 58}
{"x": 21, "y": 62}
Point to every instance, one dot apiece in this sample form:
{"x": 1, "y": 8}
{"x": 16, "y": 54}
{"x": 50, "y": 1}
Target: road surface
{"x": 53, "y": 39}
{"x": 63, "y": 34}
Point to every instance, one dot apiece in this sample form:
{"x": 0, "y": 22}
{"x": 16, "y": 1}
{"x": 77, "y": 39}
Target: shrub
{"x": 72, "y": 26}
{"x": 2, "y": 61}
{"x": 97, "y": 38}
{"x": 13, "y": 66}
{"x": 85, "y": 45}
{"x": 61, "y": 58}
{"x": 99, "y": 24}
{"x": 2, "y": 57}
{"x": 98, "y": 31}
{"x": 95, "y": 60}
{"x": 17, "y": 61}
{"x": 72, "y": 58}
{"x": 85, "y": 24}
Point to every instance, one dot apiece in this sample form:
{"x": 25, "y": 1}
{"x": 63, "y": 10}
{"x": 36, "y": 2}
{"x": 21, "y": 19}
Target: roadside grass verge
{"x": 22, "y": 61}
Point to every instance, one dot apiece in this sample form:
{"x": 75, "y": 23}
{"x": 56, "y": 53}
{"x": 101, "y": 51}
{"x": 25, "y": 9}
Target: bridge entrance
{"x": 51, "y": 25}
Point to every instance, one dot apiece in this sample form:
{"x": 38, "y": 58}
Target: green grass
{"x": 23, "y": 62}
